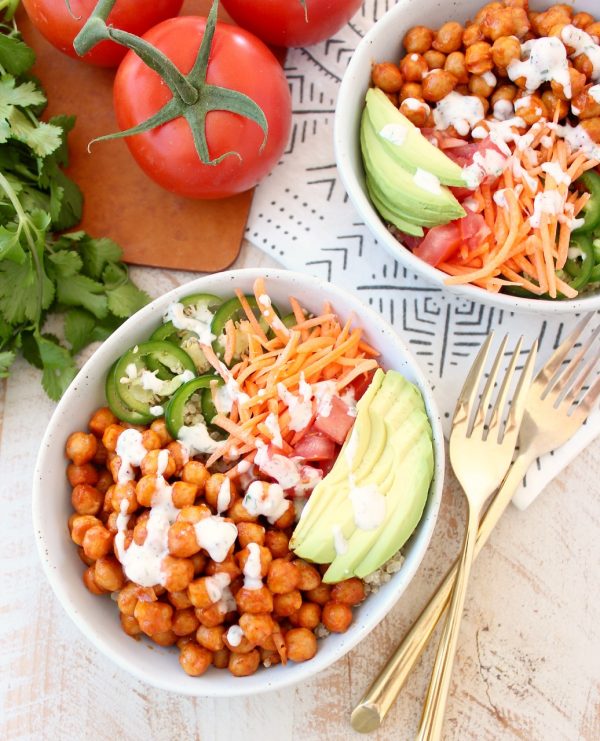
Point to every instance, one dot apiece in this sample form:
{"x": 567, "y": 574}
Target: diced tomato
{"x": 315, "y": 447}
{"x": 408, "y": 240}
{"x": 337, "y": 423}
{"x": 473, "y": 229}
{"x": 439, "y": 244}
{"x": 461, "y": 193}
{"x": 463, "y": 156}
{"x": 326, "y": 466}
{"x": 441, "y": 139}
{"x": 362, "y": 383}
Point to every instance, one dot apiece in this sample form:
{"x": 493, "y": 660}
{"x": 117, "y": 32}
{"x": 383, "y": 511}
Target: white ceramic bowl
{"x": 384, "y": 43}
{"x": 98, "y": 617}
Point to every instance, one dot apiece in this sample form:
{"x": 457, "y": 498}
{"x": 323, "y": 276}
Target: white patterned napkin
{"x": 301, "y": 216}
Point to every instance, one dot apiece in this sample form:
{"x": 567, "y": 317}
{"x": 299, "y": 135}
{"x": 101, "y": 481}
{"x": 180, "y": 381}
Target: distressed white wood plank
{"x": 527, "y": 665}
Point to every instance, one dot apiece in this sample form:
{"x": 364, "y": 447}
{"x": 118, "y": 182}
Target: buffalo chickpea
{"x": 516, "y": 4}
{"x": 84, "y": 474}
{"x": 81, "y": 447}
{"x": 277, "y": 542}
{"x": 336, "y": 617}
{"x": 220, "y": 487}
{"x": 585, "y": 104}
{"x": 241, "y": 645}
{"x": 393, "y": 98}
{"x": 160, "y": 427}
{"x": 269, "y": 658}
{"x": 178, "y": 572}
{"x": 309, "y": 576}
{"x": 184, "y": 494}
{"x": 199, "y": 561}
{"x": 448, "y": 37}
{"x": 228, "y": 565}
{"x": 100, "y": 420}
{"x": 154, "y": 617}
{"x": 264, "y": 556}
{"x": 140, "y": 529}
{"x": 455, "y": 64}
{"x": 145, "y": 489}
{"x": 309, "y": 615}
{"x": 285, "y": 605}
{"x": 250, "y": 532}
{"x": 238, "y": 513}
{"x": 486, "y": 9}
{"x": 153, "y": 459}
{"x": 130, "y": 625}
{"x": 582, "y": 20}
{"x": 111, "y": 523}
{"x": 387, "y": 77}
{"x": 220, "y": 658}
{"x": 413, "y": 67}
{"x": 97, "y": 542}
{"x": 194, "y": 659}
{"x": 584, "y": 64}
{"x": 411, "y": 90}
{"x": 257, "y": 627}
{"x": 578, "y": 80}
{"x": 211, "y": 638}
{"x": 80, "y": 524}
{"x": 594, "y": 29}
{"x": 243, "y": 665}
{"x": 150, "y": 440}
{"x": 110, "y": 436}
{"x": 301, "y": 644}
{"x": 210, "y": 616}
{"x": 166, "y": 638}
{"x": 201, "y": 593}
{"x": 105, "y": 480}
{"x": 415, "y": 110}
{"x": 288, "y": 518}
{"x": 552, "y": 102}
{"x": 485, "y": 104}
{"x": 505, "y": 22}
{"x": 86, "y": 499}
{"x": 184, "y": 622}
{"x": 124, "y": 492}
{"x": 435, "y": 59}
{"x": 504, "y": 92}
{"x": 114, "y": 465}
{"x": 195, "y": 472}
{"x": 592, "y": 128}
{"x": 418, "y": 40}
{"x": 350, "y": 591}
{"x": 101, "y": 455}
{"x": 87, "y": 561}
{"x": 505, "y": 50}
{"x": 472, "y": 34}
{"x": 283, "y": 576}
{"x": 320, "y": 595}
{"x": 478, "y": 58}
{"x": 254, "y": 600}
{"x": 127, "y": 598}
{"x": 179, "y": 600}
{"x": 90, "y": 581}
{"x": 543, "y": 22}
{"x": 193, "y": 514}
{"x": 108, "y": 574}
{"x": 482, "y": 85}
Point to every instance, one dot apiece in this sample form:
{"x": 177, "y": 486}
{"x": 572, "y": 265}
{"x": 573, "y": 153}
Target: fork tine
{"x": 503, "y": 393}
{"x": 590, "y": 398}
{"x": 519, "y": 402}
{"x": 489, "y": 388}
{"x": 469, "y": 390}
{"x": 548, "y": 372}
{"x": 563, "y": 378}
{"x": 575, "y": 389}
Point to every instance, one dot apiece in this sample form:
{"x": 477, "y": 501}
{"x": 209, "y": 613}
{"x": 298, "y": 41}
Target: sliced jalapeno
{"x": 591, "y": 211}
{"x": 580, "y": 267}
{"x": 136, "y": 368}
{"x": 118, "y": 407}
{"x": 178, "y": 406}
{"x": 233, "y": 310}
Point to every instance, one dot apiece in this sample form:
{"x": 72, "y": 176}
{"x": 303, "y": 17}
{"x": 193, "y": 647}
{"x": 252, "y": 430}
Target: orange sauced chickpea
{"x": 249, "y": 603}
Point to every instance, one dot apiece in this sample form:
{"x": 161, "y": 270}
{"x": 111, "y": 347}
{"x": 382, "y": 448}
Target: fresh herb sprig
{"x": 42, "y": 273}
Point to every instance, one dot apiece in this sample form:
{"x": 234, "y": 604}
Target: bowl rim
{"x": 345, "y": 139}
{"x": 300, "y": 671}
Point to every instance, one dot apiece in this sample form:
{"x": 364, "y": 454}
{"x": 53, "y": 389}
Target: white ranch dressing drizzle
{"x": 324, "y": 391}
{"x": 503, "y": 109}
{"x": 394, "y": 133}
{"x": 548, "y": 202}
{"x": 299, "y": 405}
{"x": 460, "y": 111}
{"x": 582, "y": 43}
{"x": 577, "y": 138}
{"x": 216, "y": 536}
{"x": 414, "y": 104}
{"x": 427, "y": 181}
{"x": 368, "y": 504}
{"x": 234, "y": 635}
{"x": 252, "y": 568}
{"x": 197, "y": 439}
{"x": 267, "y": 500}
{"x": 131, "y": 452}
{"x": 543, "y": 60}
{"x": 193, "y": 319}
{"x": 156, "y": 411}
{"x": 216, "y": 585}
{"x": 272, "y": 425}
{"x": 283, "y": 469}
{"x": 594, "y": 93}
{"x": 224, "y": 495}
{"x": 500, "y": 195}
{"x": 164, "y": 388}
{"x": 491, "y": 162}
{"x": 556, "y": 172}
{"x": 489, "y": 78}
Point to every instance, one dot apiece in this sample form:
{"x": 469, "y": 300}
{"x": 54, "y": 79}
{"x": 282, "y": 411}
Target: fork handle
{"x": 374, "y": 705}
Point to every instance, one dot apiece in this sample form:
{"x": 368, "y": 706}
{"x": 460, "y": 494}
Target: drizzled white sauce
{"x": 413, "y": 104}
{"x": 577, "y": 138}
{"x": 324, "y": 391}
{"x": 521, "y": 174}
{"x": 548, "y": 202}
{"x": 339, "y": 542}
{"x": 150, "y": 382}
{"x": 234, "y": 635}
{"x": 427, "y": 181}
{"x": 156, "y": 411}
{"x": 503, "y": 109}
{"x": 216, "y": 585}
{"x": 216, "y": 536}
{"x": 283, "y": 469}
{"x": 490, "y": 162}
{"x": 500, "y": 195}
{"x": 394, "y": 133}
{"x": 543, "y": 60}
{"x": 272, "y": 425}
{"x": 582, "y": 43}
{"x": 556, "y": 172}
{"x": 489, "y": 78}
{"x": 224, "y": 495}
{"x": 299, "y": 405}
{"x": 462, "y": 112}
{"x": 349, "y": 400}
{"x": 131, "y": 452}
{"x": 369, "y": 506}
{"x": 194, "y": 319}
{"x": 252, "y": 568}
{"x": 197, "y": 439}
{"x": 264, "y": 300}
{"x": 594, "y": 93}
{"x": 268, "y": 500}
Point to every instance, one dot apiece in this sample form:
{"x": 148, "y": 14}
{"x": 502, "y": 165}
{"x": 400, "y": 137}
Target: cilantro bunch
{"x": 42, "y": 273}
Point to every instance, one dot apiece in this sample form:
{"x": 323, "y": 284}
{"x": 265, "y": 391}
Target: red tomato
{"x": 440, "y": 243}
{"x": 473, "y": 229}
{"x": 238, "y": 61}
{"x": 315, "y": 447}
{"x": 59, "y": 26}
{"x": 337, "y": 423}
{"x": 288, "y": 23}
{"x": 362, "y": 383}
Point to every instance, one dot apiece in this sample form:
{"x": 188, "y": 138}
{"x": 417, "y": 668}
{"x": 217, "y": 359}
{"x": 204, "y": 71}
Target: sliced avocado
{"x": 398, "y": 186}
{"x": 392, "y": 421}
{"x": 415, "y": 151}
{"x": 391, "y": 216}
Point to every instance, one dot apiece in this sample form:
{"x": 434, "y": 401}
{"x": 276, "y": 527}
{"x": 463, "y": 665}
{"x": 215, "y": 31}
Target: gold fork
{"x": 550, "y": 419}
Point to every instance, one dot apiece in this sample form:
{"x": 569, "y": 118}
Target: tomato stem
{"x": 193, "y": 97}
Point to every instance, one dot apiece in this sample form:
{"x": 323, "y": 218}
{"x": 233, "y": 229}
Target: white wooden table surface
{"x": 529, "y": 656}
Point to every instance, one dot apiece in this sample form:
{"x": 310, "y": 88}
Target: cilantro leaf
{"x": 79, "y": 290}
{"x": 66, "y": 201}
{"x": 23, "y": 95}
{"x": 43, "y": 138}
{"x": 15, "y": 56}
{"x": 6, "y": 360}
{"x": 59, "y": 366}
{"x": 79, "y": 329}
{"x": 10, "y": 246}
{"x": 65, "y": 263}
{"x": 125, "y": 300}
{"x": 96, "y": 253}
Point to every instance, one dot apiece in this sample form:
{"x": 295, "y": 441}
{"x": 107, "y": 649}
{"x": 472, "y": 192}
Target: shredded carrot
{"x": 258, "y": 331}
{"x": 229, "y": 341}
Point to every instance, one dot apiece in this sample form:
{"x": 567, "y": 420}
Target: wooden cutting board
{"x": 154, "y": 227}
